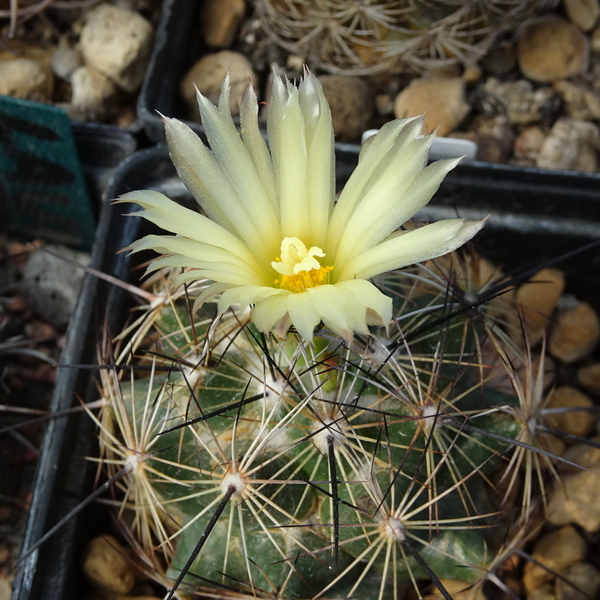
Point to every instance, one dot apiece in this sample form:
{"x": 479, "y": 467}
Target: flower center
{"x": 298, "y": 267}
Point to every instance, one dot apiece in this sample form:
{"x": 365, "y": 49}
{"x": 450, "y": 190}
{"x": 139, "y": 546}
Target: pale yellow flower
{"x": 273, "y": 237}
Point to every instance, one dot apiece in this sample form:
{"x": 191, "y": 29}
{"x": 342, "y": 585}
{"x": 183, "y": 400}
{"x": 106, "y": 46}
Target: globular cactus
{"x": 376, "y": 36}
{"x": 265, "y": 458}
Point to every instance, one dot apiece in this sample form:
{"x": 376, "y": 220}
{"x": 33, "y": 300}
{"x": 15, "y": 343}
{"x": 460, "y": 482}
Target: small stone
{"x": 351, "y": 104}
{"x": 596, "y": 40}
{"x": 106, "y": 565}
{"x": 5, "y": 589}
{"x": 544, "y": 592}
{"x": 459, "y": 590}
{"x": 518, "y": 100}
{"x": 538, "y": 298}
{"x": 51, "y": 284}
{"x": 65, "y": 61}
{"x": 117, "y": 42}
{"x": 208, "y": 73}
{"x": 494, "y": 138}
{"x": 384, "y": 105}
{"x": 442, "y": 99}
{"x": 579, "y": 101}
{"x": 575, "y": 333}
{"x": 574, "y": 498}
{"x": 580, "y": 575}
{"x": 529, "y": 142}
{"x": 472, "y": 74}
{"x": 26, "y": 79}
{"x": 584, "y": 13}
{"x": 574, "y": 422}
{"x": 571, "y": 145}
{"x": 220, "y": 21}
{"x": 589, "y": 378}
{"x": 552, "y": 49}
{"x": 93, "y": 95}
{"x": 557, "y": 551}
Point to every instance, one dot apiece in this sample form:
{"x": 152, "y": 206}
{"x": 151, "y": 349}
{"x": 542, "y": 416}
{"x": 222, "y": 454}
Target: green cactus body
{"x": 339, "y": 462}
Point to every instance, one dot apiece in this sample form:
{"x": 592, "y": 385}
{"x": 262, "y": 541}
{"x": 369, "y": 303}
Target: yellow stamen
{"x": 304, "y": 280}
{"x": 299, "y": 266}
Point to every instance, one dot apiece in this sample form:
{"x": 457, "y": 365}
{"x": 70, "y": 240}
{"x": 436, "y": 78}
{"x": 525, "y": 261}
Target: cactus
{"x": 261, "y": 458}
{"x": 392, "y": 35}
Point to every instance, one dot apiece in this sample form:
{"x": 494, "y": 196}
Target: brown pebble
{"x": 580, "y": 575}
{"x": 576, "y": 422}
{"x": 459, "y": 590}
{"x": 107, "y": 567}
{"x": 529, "y": 142}
{"x": 220, "y": 20}
{"x": 584, "y": 13}
{"x": 552, "y": 48}
{"x": 557, "y": 551}
{"x": 537, "y": 299}
{"x": 575, "y": 333}
{"x": 442, "y": 99}
{"x": 351, "y": 103}
{"x": 207, "y": 75}
{"x": 589, "y": 378}
{"x": 574, "y": 498}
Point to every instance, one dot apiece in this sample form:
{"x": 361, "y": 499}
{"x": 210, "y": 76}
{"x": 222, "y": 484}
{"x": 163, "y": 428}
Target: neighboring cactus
{"x": 271, "y": 444}
{"x": 392, "y": 35}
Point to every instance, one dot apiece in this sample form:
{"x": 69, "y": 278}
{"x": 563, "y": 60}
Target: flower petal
{"x": 287, "y": 141}
{"x": 303, "y": 314}
{"x": 238, "y": 167}
{"x": 267, "y": 312}
{"x": 321, "y": 158}
{"x": 374, "y": 160}
{"x": 412, "y": 247}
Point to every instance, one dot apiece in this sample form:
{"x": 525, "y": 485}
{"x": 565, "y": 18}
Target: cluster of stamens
{"x": 298, "y": 267}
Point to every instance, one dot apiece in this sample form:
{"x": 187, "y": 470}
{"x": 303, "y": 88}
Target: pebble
{"x": 208, "y": 73}
{"x": 106, "y": 565}
{"x": 582, "y": 575}
{"x": 220, "y": 21}
{"x": 26, "y": 79}
{"x": 5, "y": 589}
{"x": 117, "y": 42}
{"x": 557, "y": 551}
{"x": 552, "y": 49}
{"x": 572, "y": 145}
{"x": 442, "y": 99}
{"x": 584, "y": 13}
{"x": 93, "y": 95}
{"x": 595, "y": 37}
{"x": 574, "y": 498}
{"x": 575, "y": 333}
{"x": 51, "y": 285}
{"x": 351, "y": 103}
{"x": 589, "y": 378}
{"x": 579, "y": 101}
{"x": 459, "y": 590}
{"x": 529, "y": 142}
{"x": 65, "y": 61}
{"x": 538, "y": 299}
{"x": 576, "y": 422}
{"x": 494, "y": 138}
{"x": 518, "y": 100}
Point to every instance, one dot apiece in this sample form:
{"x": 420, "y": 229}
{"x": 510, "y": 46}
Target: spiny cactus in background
{"x": 376, "y": 36}
{"x": 301, "y": 418}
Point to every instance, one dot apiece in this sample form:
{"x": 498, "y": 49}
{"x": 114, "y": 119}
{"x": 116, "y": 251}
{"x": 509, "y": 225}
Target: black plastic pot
{"x": 531, "y": 220}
